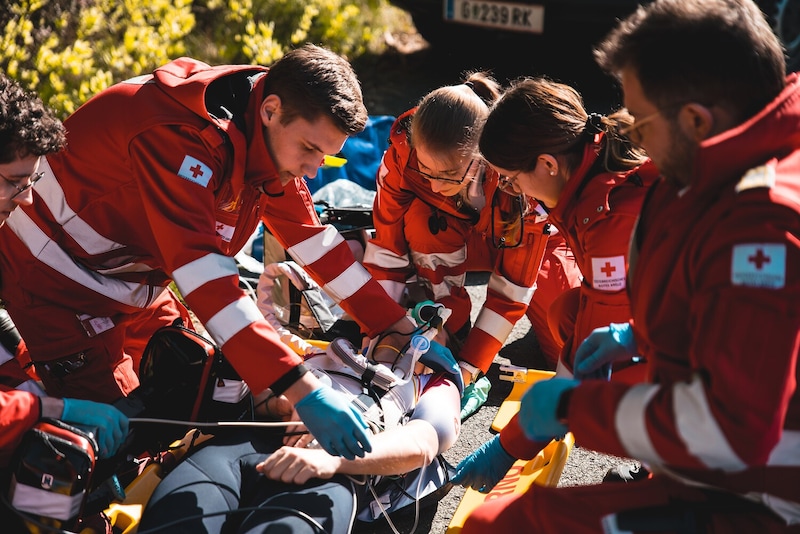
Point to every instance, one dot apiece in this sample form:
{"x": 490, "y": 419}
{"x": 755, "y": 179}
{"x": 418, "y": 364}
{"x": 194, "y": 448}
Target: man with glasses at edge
{"x": 439, "y": 214}
{"x": 713, "y": 284}
{"x": 29, "y": 131}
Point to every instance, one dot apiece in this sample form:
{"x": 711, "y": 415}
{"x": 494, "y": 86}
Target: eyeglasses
{"x": 508, "y": 220}
{"x": 442, "y": 178}
{"x": 32, "y": 179}
{"x": 634, "y": 133}
{"x": 506, "y": 183}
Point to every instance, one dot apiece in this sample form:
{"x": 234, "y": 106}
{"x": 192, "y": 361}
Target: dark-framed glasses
{"x": 471, "y": 166}
{"x": 32, "y": 179}
{"x": 508, "y": 220}
{"x": 506, "y": 183}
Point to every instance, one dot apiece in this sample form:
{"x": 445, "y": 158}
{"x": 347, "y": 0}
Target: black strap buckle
{"x": 62, "y": 368}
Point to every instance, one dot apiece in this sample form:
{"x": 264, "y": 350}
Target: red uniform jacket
{"x": 404, "y": 245}
{"x": 715, "y": 285}
{"x": 164, "y": 178}
{"x": 19, "y": 411}
{"x": 596, "y": 213}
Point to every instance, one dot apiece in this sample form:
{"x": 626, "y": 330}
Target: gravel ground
{"x": 583, "y": 466}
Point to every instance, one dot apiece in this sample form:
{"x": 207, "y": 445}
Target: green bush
{"x": 68, "y": 50}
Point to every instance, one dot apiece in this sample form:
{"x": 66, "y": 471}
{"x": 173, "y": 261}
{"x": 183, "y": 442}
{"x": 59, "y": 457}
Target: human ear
{"x": 549, "y": 162}
{"x": 269, "y": 107}
{"x": 696, "y": 121}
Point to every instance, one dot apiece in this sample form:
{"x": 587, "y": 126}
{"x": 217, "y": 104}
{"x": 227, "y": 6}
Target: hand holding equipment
{"x": 440, "y": 358}
{"x": 601, "y": 349}
{"x": 335, "y": 423}
{"x": 107, "y": 423}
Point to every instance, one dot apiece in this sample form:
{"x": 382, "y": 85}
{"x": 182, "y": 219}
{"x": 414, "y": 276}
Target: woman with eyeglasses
{"x": 591, "y": 176}
{"x": 439, "y": 214}
{"x": 593, "y": 179}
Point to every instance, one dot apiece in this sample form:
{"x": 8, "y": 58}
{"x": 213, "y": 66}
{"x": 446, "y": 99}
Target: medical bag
{"x": 51, "y": 473}
{"x": 183, "y": 377}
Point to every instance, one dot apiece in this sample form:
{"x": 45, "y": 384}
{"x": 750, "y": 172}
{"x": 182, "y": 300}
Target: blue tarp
{"x": 363, "y": 153}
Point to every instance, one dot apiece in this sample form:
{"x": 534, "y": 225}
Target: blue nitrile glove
{"x": 485, "y": 467}
{"x": 334, "y": 422}
{"x": 537, "y": 409}
{"x": 439, "y": 358}
{"x": 108, "y": 423}
{"x": 601, "y": 349}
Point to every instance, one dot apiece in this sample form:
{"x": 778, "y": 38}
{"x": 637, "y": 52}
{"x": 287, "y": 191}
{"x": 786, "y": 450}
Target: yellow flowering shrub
{"x": 68, "y": 50}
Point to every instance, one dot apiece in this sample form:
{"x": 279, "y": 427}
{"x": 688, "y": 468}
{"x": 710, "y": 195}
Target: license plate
{"x": 503, "y": 15}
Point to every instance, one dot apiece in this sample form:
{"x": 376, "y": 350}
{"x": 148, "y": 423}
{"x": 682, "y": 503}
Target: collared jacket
{"x": 715, "y": 285}
{"x": 404, "y": 210}
{"x": 596, "y": 213}
{"x": 164, "y": 178}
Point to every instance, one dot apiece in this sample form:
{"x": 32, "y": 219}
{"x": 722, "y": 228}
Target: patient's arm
{"x": 433, "y": 428}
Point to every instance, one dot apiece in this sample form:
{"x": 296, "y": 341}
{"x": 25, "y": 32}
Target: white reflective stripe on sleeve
{"x": 346, "y": 284}
{"x": 385, "y": 258}
{"x": 393, "y": 289}
{"x": 202, "y": 270}
{"x": 316, "y": 246}
{"x": 787, "y": 450}
{"x": 232, "y": 319}
{"x": 513, "y": 292}
{"x": 630, "y": 423}
{"x": 48, "y": 252}
{"x": 125, "y": 268}
{"x": 699, "y": 430}
{"x": 436, "y": 259}
{"x": 494, "y": 324}
{"x": 84, "y": 235}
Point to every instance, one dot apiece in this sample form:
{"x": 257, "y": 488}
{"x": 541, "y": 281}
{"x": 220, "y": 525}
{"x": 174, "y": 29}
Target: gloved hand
{"x": 474, "y": 396}
{"x": 485, "y": 467}
{"x": 111, "y": 424}
{"x": 334, "y": 422}
{"x": 537, "y": 410}
{"x": 439, "y": 358}
{"x": 601, "y": 348}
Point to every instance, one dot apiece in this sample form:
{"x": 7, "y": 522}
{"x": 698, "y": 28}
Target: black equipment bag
{"x": 51, "y": 472}
{"x": 185, "y": 377}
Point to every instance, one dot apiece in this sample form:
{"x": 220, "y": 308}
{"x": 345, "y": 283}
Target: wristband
{"x": 291, "y": 376}
{"x": 469, "y": 368}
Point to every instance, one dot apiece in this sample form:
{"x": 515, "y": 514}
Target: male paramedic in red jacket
{"x": 164, "y": 178}
{"x": 714, "y": 280}
{"x": 28, "y": 131}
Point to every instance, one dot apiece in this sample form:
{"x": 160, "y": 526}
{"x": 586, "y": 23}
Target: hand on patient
{"x": 295, "y": 465}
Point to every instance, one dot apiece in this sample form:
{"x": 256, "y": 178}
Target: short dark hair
{"x": 313, "y": 81}
{"x": 720, "y": 52}
{"x": 27, "y": 127}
